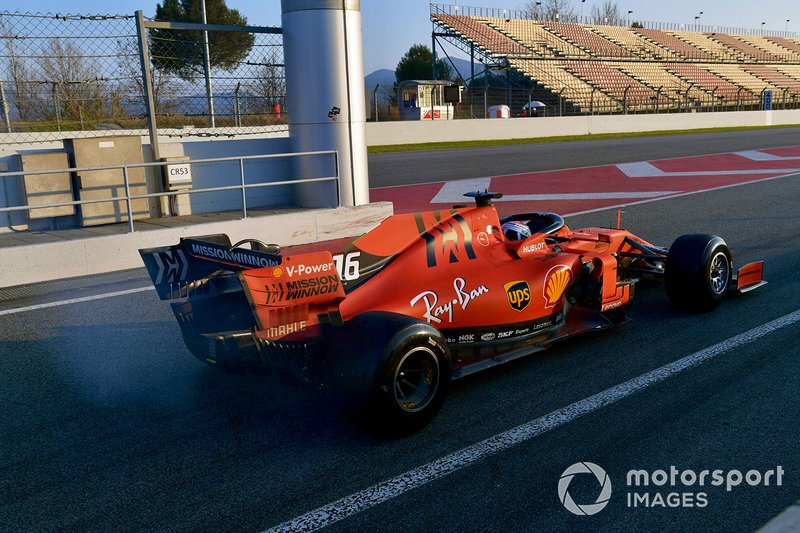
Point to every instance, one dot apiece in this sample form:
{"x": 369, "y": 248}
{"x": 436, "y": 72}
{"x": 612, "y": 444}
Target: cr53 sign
{"x": 179, "y": 174}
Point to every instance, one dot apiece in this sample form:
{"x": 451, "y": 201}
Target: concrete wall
{"x": 227, "y": 173}
{"x": 407, "y": 132}
{"x": 204, "y": 175}
{"x": 81, "y": 257}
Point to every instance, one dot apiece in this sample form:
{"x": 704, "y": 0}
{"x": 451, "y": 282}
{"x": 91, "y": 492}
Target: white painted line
{"x": 788, "y": 520}
{"x": 585, "y": 167}
{"x": 396, "y": 486}
{"x": 613, "y": 195}
{"x": 453, "y": 191}
{"x": 757, "y": 155}
{"x": 450, "y": 196}
{"x": 74, "y": 301}
{"x": 688, "y": 193}
{"x": 456, "y": 189}
{"x": 645, "y": 169}
{"x": 405, "y": 185}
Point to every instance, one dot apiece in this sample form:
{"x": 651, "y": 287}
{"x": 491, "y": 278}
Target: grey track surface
{"x": 401, "y": 168}
{"x": 20, "y": 295}
{"x": 109, "y": 424}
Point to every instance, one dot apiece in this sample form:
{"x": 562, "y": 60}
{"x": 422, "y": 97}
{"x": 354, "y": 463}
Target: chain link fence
{"x": 527, "y": 100}
{"x": 237, "y": 87}
{"x": 82, "y": 74}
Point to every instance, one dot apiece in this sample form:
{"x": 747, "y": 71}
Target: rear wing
{"x": 177, "y": 270}
{"x": 286, "y": 294}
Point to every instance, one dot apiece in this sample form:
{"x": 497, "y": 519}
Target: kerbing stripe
{"x": 391, "y": 488}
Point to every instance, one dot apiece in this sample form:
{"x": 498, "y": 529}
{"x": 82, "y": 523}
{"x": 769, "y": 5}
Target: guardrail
{"x": 128, "y": 197}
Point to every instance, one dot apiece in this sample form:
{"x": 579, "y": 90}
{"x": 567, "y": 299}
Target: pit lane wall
{"x": 428, "y": 131}
{"x": 203, "y": 176}
{"x": 96, "y": 255}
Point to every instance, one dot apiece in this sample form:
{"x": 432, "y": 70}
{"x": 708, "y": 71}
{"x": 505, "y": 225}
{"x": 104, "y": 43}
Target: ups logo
{"x": 519, "y": 294}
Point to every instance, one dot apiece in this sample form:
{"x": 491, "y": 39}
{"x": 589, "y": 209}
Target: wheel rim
{"x": 719, "y": 273}
{"x": 416, "y": 379}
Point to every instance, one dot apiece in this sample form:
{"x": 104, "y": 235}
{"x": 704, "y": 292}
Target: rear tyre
{"x": 392, "y": 371}
{"x": 698, "y": 272}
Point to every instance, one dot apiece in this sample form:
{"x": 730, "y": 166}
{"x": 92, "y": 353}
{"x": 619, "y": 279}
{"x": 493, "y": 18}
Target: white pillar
{"x": 323, "y": 54}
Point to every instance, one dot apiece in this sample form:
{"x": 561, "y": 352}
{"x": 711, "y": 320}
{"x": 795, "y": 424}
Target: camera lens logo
{"x": 589, "y": 508}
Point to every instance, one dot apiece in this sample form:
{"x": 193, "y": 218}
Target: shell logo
{"x": 277, "y": 272}
{"x": 555, "y": 283}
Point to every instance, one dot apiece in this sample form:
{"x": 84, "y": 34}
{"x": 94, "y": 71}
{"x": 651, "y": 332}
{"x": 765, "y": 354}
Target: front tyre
{"x": 698, "y": 272}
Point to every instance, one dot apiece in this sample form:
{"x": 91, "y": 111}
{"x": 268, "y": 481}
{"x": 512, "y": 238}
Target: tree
{"x": 24, "y": 91}
{"x": 181, "y": 52}
{"x": 552, "y": 10}
{"x": 269, "y": 86}
{"x": 76, "y": 81}
{"x": 165, "y": 91}
{"x": 417, "y": 64}
{"x": 608, "y": 13}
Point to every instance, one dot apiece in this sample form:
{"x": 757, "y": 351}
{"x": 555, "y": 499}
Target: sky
{"x": 390, "y": 27}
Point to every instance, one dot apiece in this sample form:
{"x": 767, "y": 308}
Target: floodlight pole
{"x": 4, "y": 107}
{"x": 433, "y": 59}
{"x": 471, "y": 77}
{"x": 207, "y": 69}
{"x": 147, "y": 86}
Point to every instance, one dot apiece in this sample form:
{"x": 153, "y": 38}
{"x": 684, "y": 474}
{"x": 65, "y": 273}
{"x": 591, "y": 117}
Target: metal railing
{"x": 128, "y": 198}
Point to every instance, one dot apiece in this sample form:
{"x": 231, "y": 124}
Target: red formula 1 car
{"x": 423, "y": 298}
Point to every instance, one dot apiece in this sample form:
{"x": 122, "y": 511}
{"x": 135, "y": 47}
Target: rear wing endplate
{"x": 284, "y": 297}
{"x": 175, "y": 270}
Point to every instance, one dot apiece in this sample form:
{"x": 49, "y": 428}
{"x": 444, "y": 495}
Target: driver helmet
{"x": 516, "y": 231}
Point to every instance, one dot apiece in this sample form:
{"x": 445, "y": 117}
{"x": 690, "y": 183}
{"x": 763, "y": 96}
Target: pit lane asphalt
{"x": 109, "y": 424}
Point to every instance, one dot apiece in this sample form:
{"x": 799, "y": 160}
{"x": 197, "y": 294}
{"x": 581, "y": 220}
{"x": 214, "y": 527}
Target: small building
{"x": 427, "y": 99}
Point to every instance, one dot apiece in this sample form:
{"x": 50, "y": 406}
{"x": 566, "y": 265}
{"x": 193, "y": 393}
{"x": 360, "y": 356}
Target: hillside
{"x": 385, "y": 79}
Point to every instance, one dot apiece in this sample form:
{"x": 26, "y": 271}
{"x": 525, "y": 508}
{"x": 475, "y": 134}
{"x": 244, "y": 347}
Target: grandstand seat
{"x": 598, "y": 66}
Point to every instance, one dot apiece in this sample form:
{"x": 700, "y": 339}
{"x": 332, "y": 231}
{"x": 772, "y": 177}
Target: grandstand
{"x": 599, "y": 68}
{"x": 778, "y": 78}
{"x": 616, "y": 83}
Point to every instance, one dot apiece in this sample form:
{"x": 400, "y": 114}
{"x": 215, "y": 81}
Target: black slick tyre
{"x": 392, "y": 371}
{"x": 698, "y": 272}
